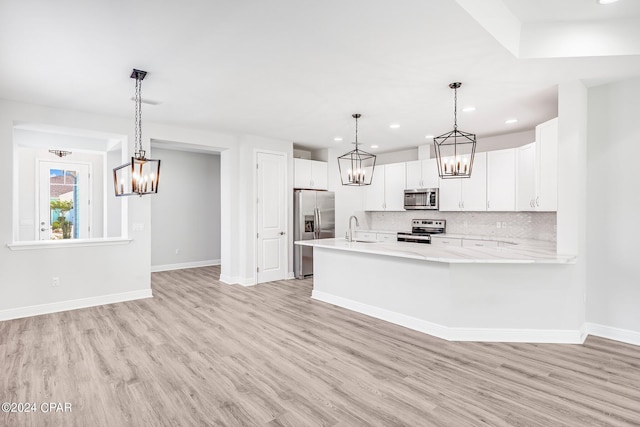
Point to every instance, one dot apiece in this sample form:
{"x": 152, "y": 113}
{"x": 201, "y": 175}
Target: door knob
{"x": 43, "y": 229}
{"x": 282, "y": 233}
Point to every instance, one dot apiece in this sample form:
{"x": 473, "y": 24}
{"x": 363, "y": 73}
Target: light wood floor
{"x": 204, "y": 353}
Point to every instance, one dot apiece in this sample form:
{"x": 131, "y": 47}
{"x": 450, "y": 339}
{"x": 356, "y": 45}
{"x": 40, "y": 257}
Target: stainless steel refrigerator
{"x": 315, "y": 218}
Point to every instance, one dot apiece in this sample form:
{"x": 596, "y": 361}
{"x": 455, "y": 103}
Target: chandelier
{"x": 356, "y": 166}
{"x": 141, "y": 175}
{"x": 455, "y": 150}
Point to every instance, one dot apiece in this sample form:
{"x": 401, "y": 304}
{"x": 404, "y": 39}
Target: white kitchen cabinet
{"x": 379, "y": 236}
{"x": 386, "y": 192}
{"x": 466, "y": 194}
{"x": 501, "y": 180}
{"x": 441, "y": 242}
{"x": 422, "y": 174}
{"x": 310, "y": 174}
{"x": 394, "y": 182}
{"x": 365, "y": 235}
{"x": 526, "y": 177}
{"x": 537, "y": 175}
{"x": 473, "y": 243}
{"x": 547, "y": 166}
{"x": 387, "y": 237}
{"x": 374, "y": 193}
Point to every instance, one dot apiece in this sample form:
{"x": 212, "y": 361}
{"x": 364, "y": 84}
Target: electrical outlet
{"x": 498, "y": 224}
{"x": 177, "y": 251}
{"x": 465, "y": 224}
{"x": 55, "y": 281}
{"x": 504, "y": 225}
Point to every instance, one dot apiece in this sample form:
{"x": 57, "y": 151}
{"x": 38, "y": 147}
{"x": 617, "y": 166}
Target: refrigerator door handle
{"x": 316, "y": 220}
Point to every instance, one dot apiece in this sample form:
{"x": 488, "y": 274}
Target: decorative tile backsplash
{"x": 523, "y": 225}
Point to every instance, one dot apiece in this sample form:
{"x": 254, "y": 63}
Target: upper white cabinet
{"x": 386, "y": 192}
{"x": 501, "y": 180}
{"x": 466, "y": 194}
{"x": 547, "y": 165}
{"x": 526, "y": 177}
{"x": 394, "y": 181}
{"x": 310, "y": 174}
{"x": 422, "y": 174}
{"x": 537, "y": 183}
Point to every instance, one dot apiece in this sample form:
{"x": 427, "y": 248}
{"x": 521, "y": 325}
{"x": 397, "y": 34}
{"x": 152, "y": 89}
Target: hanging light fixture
{"x": 455, "y": 150}
{"x": 60, "y": 153}
{"x": 141, "y": 175}
{"x": 356, "y": 166}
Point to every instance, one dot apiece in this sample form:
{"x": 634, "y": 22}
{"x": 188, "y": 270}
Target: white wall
{"x": 92, "y": 275}
{"x": 238, "y": 198}
{"x": 85, "y": 272}
{"x": 613, "y": 229}
{"x": 185, "y": 214}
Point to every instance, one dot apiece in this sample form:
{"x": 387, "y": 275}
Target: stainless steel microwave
{"x": 423, "y": 198}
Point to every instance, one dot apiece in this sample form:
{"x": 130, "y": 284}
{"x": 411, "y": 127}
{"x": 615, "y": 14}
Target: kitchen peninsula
{"x": 514, "y": 292}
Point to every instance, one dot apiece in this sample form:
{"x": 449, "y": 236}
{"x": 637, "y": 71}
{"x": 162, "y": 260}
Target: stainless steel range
{"x": 422, "y": 229}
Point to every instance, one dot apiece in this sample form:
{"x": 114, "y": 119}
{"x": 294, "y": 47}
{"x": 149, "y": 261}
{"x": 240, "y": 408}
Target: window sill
{"x": 59, "y": 244}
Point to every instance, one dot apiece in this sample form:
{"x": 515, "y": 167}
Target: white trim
{"x": 290, "y": 275}
{"x": 237, "y": 280}
{"x": 623, "y": 335}
{"x": 183, "y": 265}
{"x": 455, "y": 334}
{"x": 67, "y": 243}
{"x": 55, "y": 307}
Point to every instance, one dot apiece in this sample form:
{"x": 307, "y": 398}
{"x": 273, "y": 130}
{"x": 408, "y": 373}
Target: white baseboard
{"x": 183, "y": 265}
{"x": 617, "y": 334}
{"x": 290, "y": 275}
{"x": 455, "y": 334}
{"x": 237, "y": 280}
{"x": 55, "y": 307}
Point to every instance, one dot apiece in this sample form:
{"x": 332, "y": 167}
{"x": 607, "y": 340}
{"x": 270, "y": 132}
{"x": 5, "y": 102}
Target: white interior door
{"x": 272, "y": 217}
{"x": 63, "y": 200}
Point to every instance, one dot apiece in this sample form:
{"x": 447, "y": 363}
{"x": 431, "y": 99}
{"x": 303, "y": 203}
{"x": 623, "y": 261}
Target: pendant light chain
{"x": 138, "y": 141}
{"x": 356, "y": 131}
{"x": 455, "y": 108}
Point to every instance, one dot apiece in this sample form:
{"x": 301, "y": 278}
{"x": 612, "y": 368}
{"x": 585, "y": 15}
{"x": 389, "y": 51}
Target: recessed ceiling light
{"x": 337, "y": 138}
{"x": 511, "y": 121}
{"x": 429, "y": 136}
{"x": 394, "y": 125}
{"x": 469, "y": 109}
{"x": 606, "y": 1}
{"x": 374, "y": 146}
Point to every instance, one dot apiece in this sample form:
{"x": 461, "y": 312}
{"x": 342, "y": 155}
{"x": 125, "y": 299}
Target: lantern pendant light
{"x": 141, "y": 175}
{"x": 356, "y": 166}
{"x": 455, "y": 150}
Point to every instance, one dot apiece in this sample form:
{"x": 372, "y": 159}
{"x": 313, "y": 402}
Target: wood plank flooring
{"x": 205, "y": 353}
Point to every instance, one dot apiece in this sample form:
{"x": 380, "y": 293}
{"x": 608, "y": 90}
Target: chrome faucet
{"x": 350, "y": 232}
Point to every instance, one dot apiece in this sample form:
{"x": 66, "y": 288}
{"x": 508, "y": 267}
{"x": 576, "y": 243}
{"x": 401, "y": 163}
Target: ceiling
{"x": 296, "y": 71}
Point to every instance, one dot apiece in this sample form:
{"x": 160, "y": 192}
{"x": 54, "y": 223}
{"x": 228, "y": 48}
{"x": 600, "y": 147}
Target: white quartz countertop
{"x": 522, "y": 252}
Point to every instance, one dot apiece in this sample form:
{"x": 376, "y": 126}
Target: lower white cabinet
{"x": 387, "y": 237}
{"x": 366, "y": 235}
{"x": 378, "y": 236}
{"x": 469, "y": 243}
{"x": 446, "y": 242}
